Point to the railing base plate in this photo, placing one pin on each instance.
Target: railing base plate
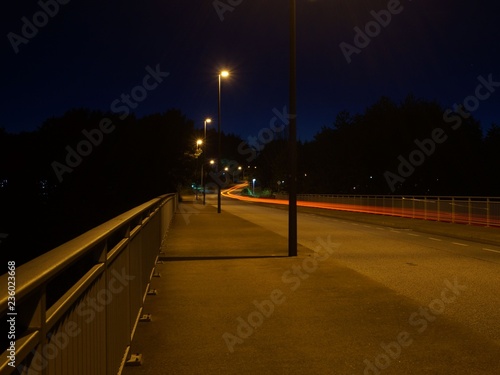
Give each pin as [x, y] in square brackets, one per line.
[145, 318]
[134, 360]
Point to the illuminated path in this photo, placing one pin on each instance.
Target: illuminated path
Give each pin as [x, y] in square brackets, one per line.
[328, 315]
[411, 263]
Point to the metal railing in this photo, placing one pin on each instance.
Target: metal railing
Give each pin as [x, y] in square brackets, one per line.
[483, 211]
[75, 308]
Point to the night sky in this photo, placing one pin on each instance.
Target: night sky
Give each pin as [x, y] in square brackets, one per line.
[91, 52]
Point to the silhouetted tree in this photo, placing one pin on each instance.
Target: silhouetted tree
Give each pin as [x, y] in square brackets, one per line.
[272, 165]
[492, 160]
[365, 153]
[70, 175]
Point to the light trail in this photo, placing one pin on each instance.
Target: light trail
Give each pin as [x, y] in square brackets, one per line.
[387, 211]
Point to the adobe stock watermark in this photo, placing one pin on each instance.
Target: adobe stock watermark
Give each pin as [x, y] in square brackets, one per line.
[420, 321]
[222, 7]
[250, 147]
[266, 135]
[219, 179]
[186, 210]
[263, 310]
[363, 37]
[89, 308]
[122, 106]
[30, 27]
[253, 145]
[426, 147]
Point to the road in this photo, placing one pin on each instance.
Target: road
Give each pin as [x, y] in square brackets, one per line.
[415, 265]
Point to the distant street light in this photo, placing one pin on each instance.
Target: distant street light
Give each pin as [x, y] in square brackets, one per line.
[199, 142]
[222, 74]
[253, 187]
[207, 121]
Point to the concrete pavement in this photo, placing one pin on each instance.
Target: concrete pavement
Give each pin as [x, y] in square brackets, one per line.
[230, 302]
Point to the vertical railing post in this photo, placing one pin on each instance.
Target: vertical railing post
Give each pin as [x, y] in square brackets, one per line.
[39, 321]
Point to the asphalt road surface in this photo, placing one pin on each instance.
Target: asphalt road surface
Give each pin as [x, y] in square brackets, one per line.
[415, 265]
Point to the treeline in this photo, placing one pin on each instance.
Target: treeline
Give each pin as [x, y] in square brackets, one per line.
[85, 167]
[81, 169]
[412, 147]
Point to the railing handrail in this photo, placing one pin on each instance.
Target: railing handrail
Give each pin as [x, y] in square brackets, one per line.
[48, 265]
[128, 243]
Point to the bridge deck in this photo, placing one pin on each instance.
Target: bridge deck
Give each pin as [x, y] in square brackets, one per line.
[230, 302]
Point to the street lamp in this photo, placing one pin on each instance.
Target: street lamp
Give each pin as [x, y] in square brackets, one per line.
[207, 121]
[253, 187]
[199, 142]
[222, 74]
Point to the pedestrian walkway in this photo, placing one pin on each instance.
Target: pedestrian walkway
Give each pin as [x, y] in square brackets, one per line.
[230, 301]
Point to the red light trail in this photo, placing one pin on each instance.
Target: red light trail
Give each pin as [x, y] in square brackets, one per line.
[376, 210]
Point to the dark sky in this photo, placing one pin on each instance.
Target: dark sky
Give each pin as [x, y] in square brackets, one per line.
[91, 52]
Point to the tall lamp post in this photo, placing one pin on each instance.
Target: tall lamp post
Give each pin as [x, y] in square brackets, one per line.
[292, 196]
[199, 142]
[207, 121]
[222, 74]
